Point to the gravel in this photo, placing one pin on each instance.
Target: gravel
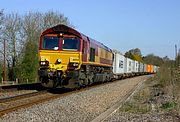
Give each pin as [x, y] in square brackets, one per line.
[151, 117]
[83, 106]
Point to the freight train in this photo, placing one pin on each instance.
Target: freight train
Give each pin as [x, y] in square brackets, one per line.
[70, 59]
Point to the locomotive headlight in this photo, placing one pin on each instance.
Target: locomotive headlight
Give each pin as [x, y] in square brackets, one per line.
[59, 61]
[75, 64]
[44, 63]
[61, 34]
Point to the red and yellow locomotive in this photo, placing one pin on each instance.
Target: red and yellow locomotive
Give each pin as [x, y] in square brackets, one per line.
[70, 59]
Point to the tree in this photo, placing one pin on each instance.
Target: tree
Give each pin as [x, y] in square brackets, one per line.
[28, 65]
[135, 51]
[1, 71]
[11, 29]
[152, 59]
[1, 18]
[134, 54]
[22, 34]
[1, 51]
[52, 18]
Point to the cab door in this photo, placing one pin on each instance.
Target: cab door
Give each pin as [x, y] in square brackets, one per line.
[85, 51]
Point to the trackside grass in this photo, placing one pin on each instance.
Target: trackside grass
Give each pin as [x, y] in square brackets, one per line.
[160, 93]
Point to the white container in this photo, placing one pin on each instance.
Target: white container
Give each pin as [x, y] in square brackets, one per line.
[145, 66]
[133, 65]
[141, 67]
[136, 66]
[119, 63]
[155, 69]
[128, 65]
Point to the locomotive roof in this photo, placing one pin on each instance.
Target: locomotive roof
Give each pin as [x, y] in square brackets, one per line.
[62, 28]
[65, 29]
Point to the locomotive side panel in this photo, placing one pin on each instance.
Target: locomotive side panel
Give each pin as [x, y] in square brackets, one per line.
[97, 61]
[96, 53]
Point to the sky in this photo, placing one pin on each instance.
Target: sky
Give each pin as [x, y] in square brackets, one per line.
[153, 26]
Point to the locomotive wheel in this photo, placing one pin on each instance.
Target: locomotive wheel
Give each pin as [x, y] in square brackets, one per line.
[91, 78]
[83, 80]
[48, 83]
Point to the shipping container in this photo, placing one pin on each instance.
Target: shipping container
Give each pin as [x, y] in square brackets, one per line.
[148, 68]
[128, 65]
[141, 67]
[144, 68]
[151, 68]
[155, 69]
[136, 66]
[119, 63]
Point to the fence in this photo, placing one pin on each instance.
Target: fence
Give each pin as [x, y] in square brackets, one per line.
[16, 81]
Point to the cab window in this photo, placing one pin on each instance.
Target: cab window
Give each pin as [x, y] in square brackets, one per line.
[70, 44]
[50, 43]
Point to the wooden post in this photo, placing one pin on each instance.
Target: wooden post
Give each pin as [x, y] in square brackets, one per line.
[4, 60]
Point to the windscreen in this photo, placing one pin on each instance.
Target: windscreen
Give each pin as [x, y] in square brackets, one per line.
[71, 44]
[50, 43]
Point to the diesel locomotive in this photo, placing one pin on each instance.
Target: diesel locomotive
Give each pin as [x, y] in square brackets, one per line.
[70, 59]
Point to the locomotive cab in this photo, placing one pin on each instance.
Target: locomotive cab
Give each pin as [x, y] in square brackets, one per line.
[59, 55]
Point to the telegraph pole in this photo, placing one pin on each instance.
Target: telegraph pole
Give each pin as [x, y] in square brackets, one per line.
[178, 58]
[175, 55]
[4, 77]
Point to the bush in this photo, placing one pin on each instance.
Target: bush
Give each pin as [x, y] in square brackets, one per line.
[164, 75]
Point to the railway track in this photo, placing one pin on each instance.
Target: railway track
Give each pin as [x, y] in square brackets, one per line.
[10, 104]
[21, 96]
[80, 105]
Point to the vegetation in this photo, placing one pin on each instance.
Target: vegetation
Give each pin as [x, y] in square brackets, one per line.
[177, 60]
[161, 93]
[1, 66]
[1, 71]
[152, 59]
[134, 54]
[22, 33]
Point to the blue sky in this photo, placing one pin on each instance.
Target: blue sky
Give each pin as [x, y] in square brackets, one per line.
[151, 25]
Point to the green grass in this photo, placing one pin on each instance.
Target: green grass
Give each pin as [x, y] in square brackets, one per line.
[169, 105]
[133, 107]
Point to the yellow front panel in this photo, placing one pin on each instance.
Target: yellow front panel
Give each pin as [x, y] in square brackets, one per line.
[64, 56]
